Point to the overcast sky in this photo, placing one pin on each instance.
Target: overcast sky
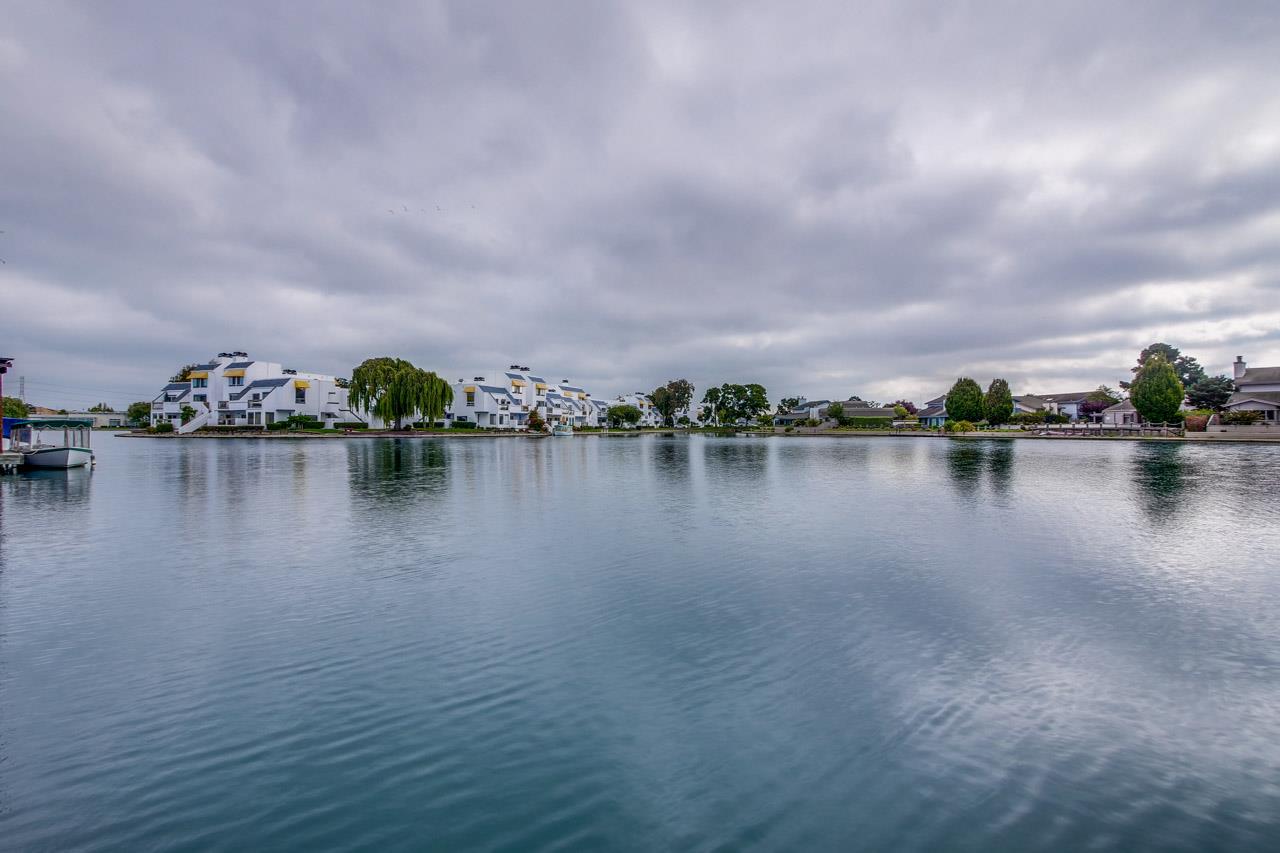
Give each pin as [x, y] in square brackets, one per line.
[828, 198]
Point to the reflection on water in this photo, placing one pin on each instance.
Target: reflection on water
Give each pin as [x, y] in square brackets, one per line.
[1163, 473]
[673, 642]
[968, 460]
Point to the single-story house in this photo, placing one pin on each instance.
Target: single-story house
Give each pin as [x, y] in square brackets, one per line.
[1121, 414]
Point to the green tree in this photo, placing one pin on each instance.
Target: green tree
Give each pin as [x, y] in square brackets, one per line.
[188, 412]
[1187, 369]
[900, 412]
[15, 408]
[138, 413]
[964, 400]
[535, 423]
[1212, 392]
[786, 404]
[101, 408]
[394, 389]
[623, 414]
[711, 400]
[183, 374]
[1156, 391]
[673, 397]
[997, 405]
[743, 402]
[836, 412]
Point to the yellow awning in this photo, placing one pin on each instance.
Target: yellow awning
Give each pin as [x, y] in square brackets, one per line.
[517, 383]
[301, 383]
[239, 371]
[199, 374]
[470, 389]
[541, 386]
[582, 396]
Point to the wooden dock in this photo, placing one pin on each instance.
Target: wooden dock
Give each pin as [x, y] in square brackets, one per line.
[9, 462]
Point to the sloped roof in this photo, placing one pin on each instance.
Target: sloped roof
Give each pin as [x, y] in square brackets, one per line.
[1073, 397]
[932, 412]
[262, 383]
[1122, 406]
[1260, 396]
[238, 365]
[1259, 376]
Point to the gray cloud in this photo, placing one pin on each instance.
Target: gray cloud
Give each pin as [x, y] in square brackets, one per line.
[829, 198]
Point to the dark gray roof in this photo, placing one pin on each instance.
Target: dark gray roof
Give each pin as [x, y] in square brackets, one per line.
[515, 376]
[1074, 397]
[936, 401]
[572, 388]
[497, 392]
[931, 412]
[262, 383]
[1122, 406]
[213, 366]
[1263, 396]
[238, 365]
[537, 379]
[177, 386]
[1260, 376]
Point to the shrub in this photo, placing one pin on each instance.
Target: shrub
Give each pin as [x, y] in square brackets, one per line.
[813, 422]
[1242, 417]
[960, 426]
[465, 424]
[350, 425]
[867, 423]
[277, 425]
[1051, 418]
[1196, 423]
[164, 426]
[788, 429]
[1027, 418]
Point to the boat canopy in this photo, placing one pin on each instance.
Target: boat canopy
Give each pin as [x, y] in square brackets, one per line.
[49, 423]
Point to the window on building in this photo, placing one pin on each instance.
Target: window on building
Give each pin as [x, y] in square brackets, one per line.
[199, 383]
[471, 398]
[200, 398]
[299, 395]
[235, 381]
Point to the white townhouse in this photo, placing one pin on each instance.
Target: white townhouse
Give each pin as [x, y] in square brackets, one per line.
[233, 390]
[504, 399]
[649, 416]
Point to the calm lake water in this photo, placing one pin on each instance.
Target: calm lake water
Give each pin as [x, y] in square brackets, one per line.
[657, 643]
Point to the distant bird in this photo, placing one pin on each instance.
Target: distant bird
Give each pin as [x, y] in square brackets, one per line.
[406, 208]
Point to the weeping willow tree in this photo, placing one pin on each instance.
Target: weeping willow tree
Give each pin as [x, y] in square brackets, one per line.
[393, 390]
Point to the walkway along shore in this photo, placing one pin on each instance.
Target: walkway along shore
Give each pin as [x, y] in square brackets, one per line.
[1202, 438]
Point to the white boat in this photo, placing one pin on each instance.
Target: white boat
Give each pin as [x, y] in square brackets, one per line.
[36, 440]
[562, 429]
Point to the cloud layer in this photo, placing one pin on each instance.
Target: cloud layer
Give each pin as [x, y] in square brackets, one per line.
[828, 198]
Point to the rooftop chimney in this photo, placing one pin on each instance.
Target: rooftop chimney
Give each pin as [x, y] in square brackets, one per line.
[1239, 367]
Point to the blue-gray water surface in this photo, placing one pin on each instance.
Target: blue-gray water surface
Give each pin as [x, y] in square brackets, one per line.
[642, 643]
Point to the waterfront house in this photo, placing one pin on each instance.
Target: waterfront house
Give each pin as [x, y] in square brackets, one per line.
[1026, 404]
[934, 413]
[504, 399]
[233, 390]
[1257, 390]
[1065, 404]
[1121, 414]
